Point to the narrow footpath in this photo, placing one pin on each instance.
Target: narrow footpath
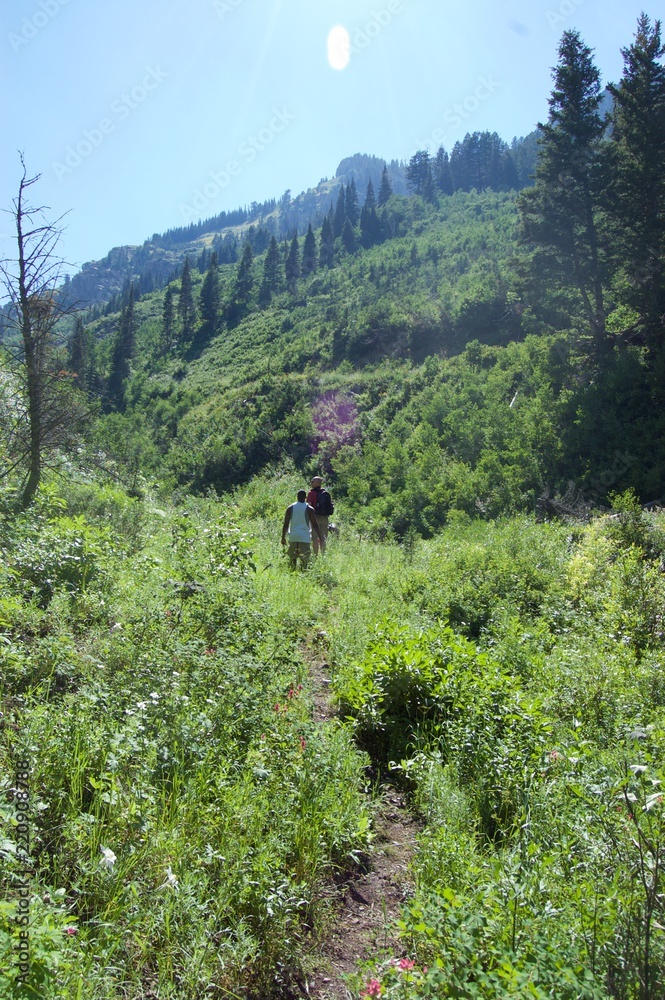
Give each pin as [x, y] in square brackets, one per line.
[369, 901]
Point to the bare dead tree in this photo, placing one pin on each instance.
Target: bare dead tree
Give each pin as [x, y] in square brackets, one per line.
[43, 409]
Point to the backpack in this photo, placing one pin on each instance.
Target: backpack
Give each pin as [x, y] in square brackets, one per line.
[324, 504]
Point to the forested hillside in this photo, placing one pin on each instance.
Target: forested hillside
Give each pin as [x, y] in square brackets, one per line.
[475, 363]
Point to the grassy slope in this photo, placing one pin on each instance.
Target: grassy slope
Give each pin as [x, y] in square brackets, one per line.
[151, 678]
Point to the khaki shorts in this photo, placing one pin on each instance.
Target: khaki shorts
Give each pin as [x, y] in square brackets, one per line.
[302, 549]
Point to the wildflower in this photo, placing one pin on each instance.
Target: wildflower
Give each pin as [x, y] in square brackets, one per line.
[373, 989]
[142, 705]
[171, 878]
[108, 858]
[210, 651]
[555, 755]
[71, 931]
[406, 964]
[303, 743]
[277, 707]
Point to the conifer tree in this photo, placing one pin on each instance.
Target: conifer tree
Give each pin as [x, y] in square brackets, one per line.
[370, 227]
[561, 213]
[419, 175]
[272, 270]
[637, 177]
[168, 319]
[352, 208]
[79, 352]
[186, 306]
[292, 264]
[124, 348]
[443, 178]
[242, 286]
[386, 189]
[348, 237]
[309, 252]
[210, 297]
[340, 213]
[370, 200]
[327, 244]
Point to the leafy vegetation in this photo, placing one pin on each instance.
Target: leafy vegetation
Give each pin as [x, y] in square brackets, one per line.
[462, 365]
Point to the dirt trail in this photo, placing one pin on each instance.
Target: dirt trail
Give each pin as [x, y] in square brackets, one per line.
[369, 901]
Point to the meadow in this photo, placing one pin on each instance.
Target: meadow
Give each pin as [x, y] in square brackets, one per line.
[189, 820]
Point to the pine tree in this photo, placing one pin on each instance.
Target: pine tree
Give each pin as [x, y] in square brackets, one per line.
[272, 272]
[561, 213]
[242, 287]
[370, 200]
[168, 319]
[292, 264]
[186, 306]
[309, 252]
[124, 348]
[352, 208]
[637, 155]
[419, 174]
[386, 189]
[327, 244]
[348, 237]
[370, 227]
[210, 297]
[79, 352]
[340, 213]
[443, 178]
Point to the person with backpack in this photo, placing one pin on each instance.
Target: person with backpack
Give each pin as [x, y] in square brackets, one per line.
[300, 521]
[319, 498]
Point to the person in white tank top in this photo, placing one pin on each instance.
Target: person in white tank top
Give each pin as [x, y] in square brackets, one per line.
[299, 522]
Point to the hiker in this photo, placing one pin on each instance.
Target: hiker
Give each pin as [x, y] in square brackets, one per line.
[320, 500]
[300, 520]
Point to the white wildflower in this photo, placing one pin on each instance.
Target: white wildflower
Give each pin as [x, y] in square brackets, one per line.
[108, 858]
[171, 879]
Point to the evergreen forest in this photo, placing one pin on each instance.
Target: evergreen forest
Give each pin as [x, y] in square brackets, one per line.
[199, 748]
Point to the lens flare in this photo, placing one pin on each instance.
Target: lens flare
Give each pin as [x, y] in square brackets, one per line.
[339, 47]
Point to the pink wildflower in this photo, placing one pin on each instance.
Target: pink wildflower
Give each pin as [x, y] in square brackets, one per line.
[71, 931]
[406, 964]
[303, 743]
[277, 707]
[555, 755]
[373, 989]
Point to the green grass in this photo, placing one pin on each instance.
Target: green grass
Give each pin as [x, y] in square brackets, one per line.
[188, 816]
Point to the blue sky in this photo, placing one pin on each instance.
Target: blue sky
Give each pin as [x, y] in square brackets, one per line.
[141, 115]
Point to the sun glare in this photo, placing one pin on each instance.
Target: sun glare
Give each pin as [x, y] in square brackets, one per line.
[339, 47]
